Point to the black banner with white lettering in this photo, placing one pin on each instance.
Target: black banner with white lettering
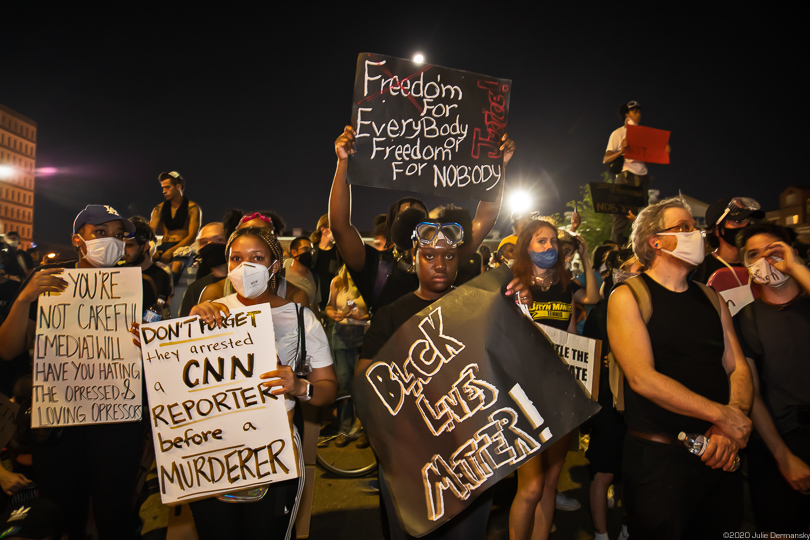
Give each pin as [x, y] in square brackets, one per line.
[616, 198]
[461, 395]
[427, 128]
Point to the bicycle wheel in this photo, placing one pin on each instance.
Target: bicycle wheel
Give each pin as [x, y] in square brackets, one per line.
[348, 461]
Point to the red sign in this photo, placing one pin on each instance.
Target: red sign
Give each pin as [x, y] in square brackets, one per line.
[647, 144]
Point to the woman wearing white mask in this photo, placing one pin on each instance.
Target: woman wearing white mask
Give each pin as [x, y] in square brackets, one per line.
[540, 267]
[254, 260]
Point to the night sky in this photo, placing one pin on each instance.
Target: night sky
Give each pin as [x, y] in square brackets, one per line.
[245, 100]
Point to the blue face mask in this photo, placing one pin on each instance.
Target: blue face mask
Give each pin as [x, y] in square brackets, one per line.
[544, 259]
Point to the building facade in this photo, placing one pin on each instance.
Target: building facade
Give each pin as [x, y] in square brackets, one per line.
[794, 209]
[18, 151]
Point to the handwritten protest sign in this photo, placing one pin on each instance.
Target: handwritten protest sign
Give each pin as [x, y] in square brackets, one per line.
[427, 128]
[580, 353]
[460, 396]
[647, 144]
[86, 368]
[616, 198]
[8, 418]
[216, 427]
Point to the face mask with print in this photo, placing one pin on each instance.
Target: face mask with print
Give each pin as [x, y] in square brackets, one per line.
[691, 247]
[764, 273]
[250, 280]
[104, 252]
[544, 259]
[509, 262]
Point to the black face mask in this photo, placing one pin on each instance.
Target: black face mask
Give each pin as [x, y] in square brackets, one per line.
[730, 235]
[305, 259]
[210, 256]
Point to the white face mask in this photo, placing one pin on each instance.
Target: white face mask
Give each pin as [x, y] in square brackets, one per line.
[691, 247]
[250, 280]
[764, 273]
[104, 252]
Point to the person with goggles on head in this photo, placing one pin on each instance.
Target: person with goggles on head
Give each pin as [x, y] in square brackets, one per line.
[684, 371]
[254, 261]
[724, 219]
[435, 254]
[366, 263]
[774, 332]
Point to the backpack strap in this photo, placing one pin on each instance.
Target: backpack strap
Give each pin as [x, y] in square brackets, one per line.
[714, 298]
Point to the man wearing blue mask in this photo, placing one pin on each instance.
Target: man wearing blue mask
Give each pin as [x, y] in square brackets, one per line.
[80, 464]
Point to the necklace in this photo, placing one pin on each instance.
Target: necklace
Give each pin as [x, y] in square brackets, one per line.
[544, 282]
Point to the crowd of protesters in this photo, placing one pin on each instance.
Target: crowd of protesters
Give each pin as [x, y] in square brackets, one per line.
[674, 356]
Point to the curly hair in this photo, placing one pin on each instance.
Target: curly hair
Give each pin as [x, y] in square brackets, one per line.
[266, 236]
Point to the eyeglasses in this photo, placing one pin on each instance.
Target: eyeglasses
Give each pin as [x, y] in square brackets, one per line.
[427, 233]
[681, 228]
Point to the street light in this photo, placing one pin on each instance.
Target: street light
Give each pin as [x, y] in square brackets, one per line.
[419, 58]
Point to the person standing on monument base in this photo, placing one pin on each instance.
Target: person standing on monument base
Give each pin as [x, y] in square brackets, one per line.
[177, 219]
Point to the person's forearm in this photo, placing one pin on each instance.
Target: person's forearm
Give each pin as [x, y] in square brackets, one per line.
[675, 397]
[14, 331]
[763, 423]
[741, 389]
[611, 156]
[485, 217]
[802, 276]
[324, 392]
[591, 288]
[347, 239]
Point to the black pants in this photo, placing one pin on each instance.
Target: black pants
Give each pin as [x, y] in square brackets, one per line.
[97, 463]
[671, 494]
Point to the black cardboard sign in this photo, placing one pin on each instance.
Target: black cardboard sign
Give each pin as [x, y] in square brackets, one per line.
[616, 198]
[461, 395]
[427, 128]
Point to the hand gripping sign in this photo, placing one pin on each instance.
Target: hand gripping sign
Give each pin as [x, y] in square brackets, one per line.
[216, 427]
[460, 396]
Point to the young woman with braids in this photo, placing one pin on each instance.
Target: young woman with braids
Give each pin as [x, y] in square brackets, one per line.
[256, 251]
[541, 269]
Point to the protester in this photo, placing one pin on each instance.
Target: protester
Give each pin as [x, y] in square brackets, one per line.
[505, 254]
[348, 310]
[725, 218]
[435, 255]
[775, 334]
[364, 262]
[213, 264]
[138, 252]
[298, 273]
[607, 427]
[177, 219]
[684, 371]
[254, 252]
[96, 463]
[628, 171]
[540, 268]
[20, 262]
[325, 259]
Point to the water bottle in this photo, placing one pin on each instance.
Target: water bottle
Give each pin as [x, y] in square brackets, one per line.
[697, 443]
[154, 312]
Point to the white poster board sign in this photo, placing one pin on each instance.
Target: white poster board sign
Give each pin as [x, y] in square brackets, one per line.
[86, 368]
[580, 353]
[216, 427]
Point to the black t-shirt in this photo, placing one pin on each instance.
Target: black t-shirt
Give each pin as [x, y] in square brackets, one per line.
[688, 346]
[388, 320]
[8, 292]
[163, 284]
[778, 338]
[397, 284]
[553, 307]
[325, 266]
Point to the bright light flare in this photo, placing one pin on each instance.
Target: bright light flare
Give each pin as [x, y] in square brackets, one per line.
[419, 58]
[6, 171]
[519, 201]
[46, 171]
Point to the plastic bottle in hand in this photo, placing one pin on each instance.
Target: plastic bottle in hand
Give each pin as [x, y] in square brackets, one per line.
[697, 443]
[154, 312]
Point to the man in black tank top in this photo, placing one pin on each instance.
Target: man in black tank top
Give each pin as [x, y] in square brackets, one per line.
[684, 371]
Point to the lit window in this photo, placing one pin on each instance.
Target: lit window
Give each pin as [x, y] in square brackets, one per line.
[792, 220]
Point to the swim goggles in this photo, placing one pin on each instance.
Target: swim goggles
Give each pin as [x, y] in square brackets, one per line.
[428, 234]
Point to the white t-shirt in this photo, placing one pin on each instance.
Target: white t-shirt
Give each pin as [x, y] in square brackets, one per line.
[285, 326]
[615, 144]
